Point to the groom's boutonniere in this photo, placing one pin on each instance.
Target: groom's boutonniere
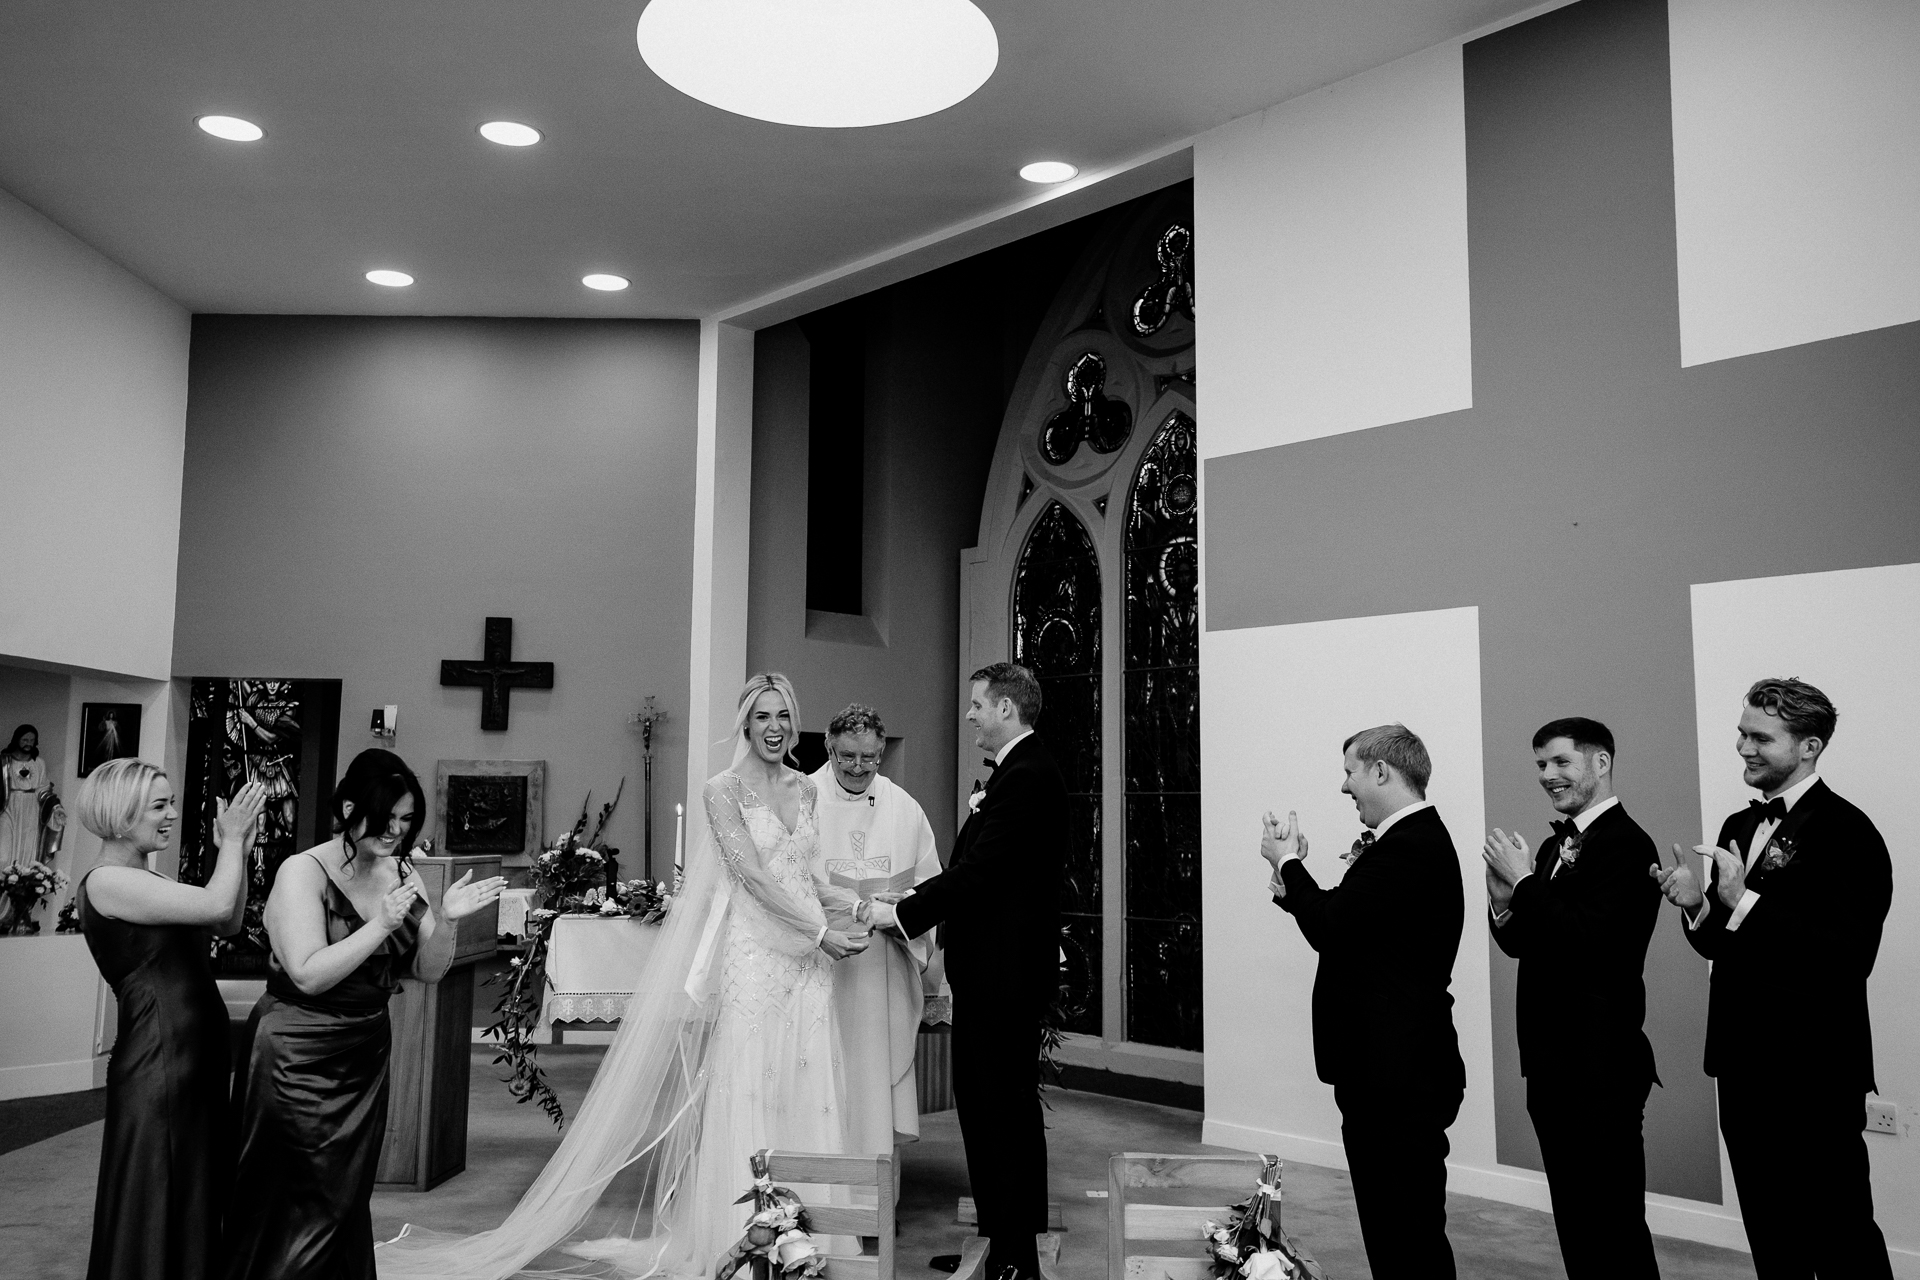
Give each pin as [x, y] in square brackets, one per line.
[978, 794]
[1780, 851]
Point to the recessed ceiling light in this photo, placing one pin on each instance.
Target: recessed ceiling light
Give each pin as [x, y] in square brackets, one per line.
[232, 128]
[1048, 171]
[830, 64]
[509, 133]
[605, 283]
[391, 279]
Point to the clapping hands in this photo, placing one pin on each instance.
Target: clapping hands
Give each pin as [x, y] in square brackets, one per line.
[237, 821]
[1508, 860]
[1682, 886]
[467, 895]
[1280, 841]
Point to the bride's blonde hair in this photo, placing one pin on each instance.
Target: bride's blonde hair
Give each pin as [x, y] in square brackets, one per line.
[749, 693]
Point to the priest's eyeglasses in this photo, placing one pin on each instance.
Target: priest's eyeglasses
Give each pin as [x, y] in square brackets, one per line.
[850, 759]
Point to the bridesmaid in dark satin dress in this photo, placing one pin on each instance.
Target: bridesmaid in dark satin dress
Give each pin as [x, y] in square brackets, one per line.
[347, 920]
[166, 1157]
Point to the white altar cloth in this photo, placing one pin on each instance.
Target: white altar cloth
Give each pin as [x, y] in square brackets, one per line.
[593, 965]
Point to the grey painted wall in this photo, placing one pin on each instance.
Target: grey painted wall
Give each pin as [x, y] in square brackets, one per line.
[943, 351]
[362, 492]
[1592, 482]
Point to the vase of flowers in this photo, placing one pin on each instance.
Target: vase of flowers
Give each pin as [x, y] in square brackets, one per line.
[27, 886]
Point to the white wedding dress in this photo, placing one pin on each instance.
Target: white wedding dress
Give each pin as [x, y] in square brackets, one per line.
[728, 1046]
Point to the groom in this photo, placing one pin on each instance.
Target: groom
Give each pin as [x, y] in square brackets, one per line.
[999, 901]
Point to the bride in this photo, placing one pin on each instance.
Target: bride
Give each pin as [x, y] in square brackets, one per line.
[728, 1046]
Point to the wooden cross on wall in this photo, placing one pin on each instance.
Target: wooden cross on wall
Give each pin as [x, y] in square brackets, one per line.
[497, 674]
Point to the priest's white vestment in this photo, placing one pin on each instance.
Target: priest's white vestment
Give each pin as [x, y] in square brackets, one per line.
[877, 841]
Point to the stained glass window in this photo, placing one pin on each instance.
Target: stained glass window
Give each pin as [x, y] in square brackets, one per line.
[1056, 635]
[1161, 660]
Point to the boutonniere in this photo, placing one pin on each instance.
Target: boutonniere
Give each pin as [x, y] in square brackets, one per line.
[1780, 851]
[1570, 851]
[978, 794]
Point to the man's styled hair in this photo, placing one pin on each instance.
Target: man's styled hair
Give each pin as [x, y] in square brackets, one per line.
[1397, 746]
[111, 798]
[1587, 735]
[1011, 680]
[858, 717]
[1807, 712]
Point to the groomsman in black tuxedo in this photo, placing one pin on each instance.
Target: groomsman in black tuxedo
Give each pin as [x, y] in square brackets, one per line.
[1578, 918]
[1382, 1009]
[1791, 918]
[999, 900]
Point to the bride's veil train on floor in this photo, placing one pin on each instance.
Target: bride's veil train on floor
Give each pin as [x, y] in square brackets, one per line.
[606, 1203]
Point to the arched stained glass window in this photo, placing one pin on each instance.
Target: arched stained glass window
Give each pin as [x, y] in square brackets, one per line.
[1056, 635]
[1161, 660]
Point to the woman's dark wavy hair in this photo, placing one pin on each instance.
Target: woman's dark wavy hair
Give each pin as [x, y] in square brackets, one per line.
[374, 783]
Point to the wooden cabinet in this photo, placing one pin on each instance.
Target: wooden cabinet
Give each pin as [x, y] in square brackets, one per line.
[426, 1139]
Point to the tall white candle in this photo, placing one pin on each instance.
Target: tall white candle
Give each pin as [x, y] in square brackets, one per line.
[679, 841]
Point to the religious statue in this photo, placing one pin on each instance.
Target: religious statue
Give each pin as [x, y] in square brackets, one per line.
[25, 789]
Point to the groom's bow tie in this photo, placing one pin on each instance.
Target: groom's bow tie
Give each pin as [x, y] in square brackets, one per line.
[1567, 829]
[1774, 810]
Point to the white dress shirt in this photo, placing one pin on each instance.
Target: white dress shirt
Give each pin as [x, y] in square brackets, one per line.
[1581, 821]
[1000, 756]
[1756, 847]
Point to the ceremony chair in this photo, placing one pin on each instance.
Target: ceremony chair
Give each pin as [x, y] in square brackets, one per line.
[789, 1167]
[1130, 1218]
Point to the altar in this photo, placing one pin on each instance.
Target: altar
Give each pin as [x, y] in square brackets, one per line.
[594, 965]
[60, 1015]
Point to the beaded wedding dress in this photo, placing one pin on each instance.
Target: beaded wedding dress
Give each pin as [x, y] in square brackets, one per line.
[728, 1046]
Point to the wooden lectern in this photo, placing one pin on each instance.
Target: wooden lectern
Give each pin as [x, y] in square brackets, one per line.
[426, 1139]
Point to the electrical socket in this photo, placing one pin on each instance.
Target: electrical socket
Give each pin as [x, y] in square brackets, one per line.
[1882, 1117]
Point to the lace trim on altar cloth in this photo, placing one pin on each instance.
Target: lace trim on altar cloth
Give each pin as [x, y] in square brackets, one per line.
[594, 1006]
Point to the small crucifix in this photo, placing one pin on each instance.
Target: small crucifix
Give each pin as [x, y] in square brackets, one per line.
[497, 674]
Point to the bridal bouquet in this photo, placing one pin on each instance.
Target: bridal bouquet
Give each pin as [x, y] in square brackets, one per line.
[779, 1243]
[1250, 1243]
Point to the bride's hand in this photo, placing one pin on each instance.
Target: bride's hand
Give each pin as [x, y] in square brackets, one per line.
[839, 946]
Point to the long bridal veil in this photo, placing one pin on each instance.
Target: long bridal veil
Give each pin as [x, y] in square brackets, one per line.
[607, 1202]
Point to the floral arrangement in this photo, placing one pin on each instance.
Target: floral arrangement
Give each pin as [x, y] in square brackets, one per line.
[779, 1240]
[576, 863]
[644, 900]
[518, 1014]
[68, 920]
[1250, 1243]
[26, 886]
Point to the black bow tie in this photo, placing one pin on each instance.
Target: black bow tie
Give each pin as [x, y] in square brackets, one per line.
[1765, 810]
[1567, 829]
[991, 763]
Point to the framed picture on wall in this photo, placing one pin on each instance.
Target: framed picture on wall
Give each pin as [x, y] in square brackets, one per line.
[108, 731]
[490, 806]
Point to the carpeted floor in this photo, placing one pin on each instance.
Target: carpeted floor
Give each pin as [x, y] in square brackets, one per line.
[25, 1121]
[47, 1188]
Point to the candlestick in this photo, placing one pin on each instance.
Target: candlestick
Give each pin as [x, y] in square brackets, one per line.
[679, 842]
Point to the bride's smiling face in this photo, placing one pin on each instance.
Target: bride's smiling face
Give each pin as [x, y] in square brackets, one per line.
[770, 727]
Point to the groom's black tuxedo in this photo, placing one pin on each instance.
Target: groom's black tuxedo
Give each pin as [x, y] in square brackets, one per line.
[999, 900]
[1581, 937]
[1383, 1028]
[1788, 1036]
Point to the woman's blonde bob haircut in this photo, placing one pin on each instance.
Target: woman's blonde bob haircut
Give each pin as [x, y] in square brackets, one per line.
[112, 796]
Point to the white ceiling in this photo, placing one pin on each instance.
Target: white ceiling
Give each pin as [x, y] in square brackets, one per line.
[371, 158]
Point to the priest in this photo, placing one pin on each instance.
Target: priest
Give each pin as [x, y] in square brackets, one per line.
[874, 839]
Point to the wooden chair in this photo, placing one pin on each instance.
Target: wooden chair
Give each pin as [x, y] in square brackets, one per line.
[788, 1167]
[1131, 1217]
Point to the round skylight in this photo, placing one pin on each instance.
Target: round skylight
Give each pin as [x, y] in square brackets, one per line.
[231, 128]
[391, 279]
[510, 133]
[830, 64]
[1048, 171]
[605, 283]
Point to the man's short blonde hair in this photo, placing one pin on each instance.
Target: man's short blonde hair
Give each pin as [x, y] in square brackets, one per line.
[112, 796]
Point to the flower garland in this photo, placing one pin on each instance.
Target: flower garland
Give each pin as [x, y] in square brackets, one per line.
[779, 1240]
[1250, 1244]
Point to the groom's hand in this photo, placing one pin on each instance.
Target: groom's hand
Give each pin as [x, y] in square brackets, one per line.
[880, 912]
